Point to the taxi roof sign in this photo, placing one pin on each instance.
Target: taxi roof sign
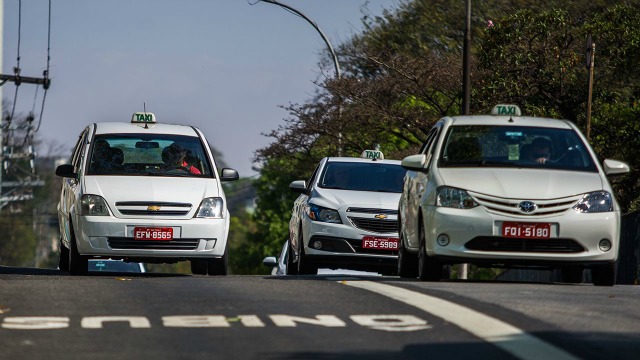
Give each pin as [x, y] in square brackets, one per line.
[372, 154]
[506, 109]
[143, 118]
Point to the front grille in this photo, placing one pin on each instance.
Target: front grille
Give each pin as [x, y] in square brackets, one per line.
[494, 243]
[375, 225]
[373, 211]
[506, 206]
[153, 208]
[121, 243]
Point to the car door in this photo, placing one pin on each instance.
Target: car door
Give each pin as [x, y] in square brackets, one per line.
[413, 191]
[298, 212]
[71, 186]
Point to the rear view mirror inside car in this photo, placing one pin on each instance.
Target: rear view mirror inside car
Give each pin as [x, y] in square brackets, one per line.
[147, 145]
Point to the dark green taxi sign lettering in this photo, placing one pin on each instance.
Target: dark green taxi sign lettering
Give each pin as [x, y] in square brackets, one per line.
[372, 154]
[143, 118]
[506, 110]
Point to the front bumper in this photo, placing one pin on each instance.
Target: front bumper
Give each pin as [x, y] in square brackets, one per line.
[107, 236]
[475, 236]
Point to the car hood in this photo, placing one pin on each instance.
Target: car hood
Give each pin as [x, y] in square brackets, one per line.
[139, 188]
[522, 183]
[338, 199]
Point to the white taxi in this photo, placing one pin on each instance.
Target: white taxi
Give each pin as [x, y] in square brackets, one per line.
[346, 216]
[143, 191]
[506, 190]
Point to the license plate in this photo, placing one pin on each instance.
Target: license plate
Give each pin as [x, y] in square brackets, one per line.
[149, 233]
[379, 243]
[526, 230]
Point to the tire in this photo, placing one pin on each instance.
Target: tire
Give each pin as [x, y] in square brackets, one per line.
[292, 268]
[604, 275]
[63, 260]
[218, 266]
[199, 267]
[78, 264]
[407, 262]
[305, 265]
[572, 274]
[429, 269]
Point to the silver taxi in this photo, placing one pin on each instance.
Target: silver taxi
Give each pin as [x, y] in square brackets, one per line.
[346, 216]
[143, 191]
[506, 190]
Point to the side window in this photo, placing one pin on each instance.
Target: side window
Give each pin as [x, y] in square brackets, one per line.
[76, 155]
[429, 145]
[313, 177]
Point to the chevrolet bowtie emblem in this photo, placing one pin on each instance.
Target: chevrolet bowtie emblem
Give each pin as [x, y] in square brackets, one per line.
[381, 216]
[153, 208]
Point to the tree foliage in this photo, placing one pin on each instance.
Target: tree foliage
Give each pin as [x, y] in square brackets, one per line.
[404, 72]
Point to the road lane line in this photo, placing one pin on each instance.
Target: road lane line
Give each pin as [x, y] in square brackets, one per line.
[505, 336]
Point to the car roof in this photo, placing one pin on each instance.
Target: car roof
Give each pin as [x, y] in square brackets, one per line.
[362, 160]
[129, 128]
[509, 120]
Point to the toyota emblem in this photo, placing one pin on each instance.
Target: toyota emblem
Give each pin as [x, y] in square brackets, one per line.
[527, 206]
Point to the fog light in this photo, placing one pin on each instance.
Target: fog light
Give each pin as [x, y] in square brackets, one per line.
[604, 245]
[317, 244]
[443, 240]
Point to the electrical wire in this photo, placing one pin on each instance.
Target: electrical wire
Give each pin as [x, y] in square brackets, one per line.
[46, 72]
[16, 70]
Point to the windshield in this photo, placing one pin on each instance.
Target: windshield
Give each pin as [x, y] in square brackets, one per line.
[148, 154]
[363, 176]
[515, 146]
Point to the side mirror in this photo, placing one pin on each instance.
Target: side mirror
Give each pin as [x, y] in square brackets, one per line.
[414, 162]
[66, 170]
[229, 175]
[270, 261]
[615, 167]
[299, 186]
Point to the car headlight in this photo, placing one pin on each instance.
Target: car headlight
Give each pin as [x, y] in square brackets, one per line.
[211, 208]
[454, 198]
[319, 213]
[93, 205]
[595, 202]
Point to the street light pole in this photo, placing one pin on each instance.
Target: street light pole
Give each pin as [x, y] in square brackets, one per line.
[466, 66]
[331, 52]
[315, 26]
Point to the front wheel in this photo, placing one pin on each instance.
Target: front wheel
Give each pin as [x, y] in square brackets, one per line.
[218, 266]
[604, 275]
[63, 260]
[292, 268]
[429, 269]
[199, 267]
[407, 262]
[78, 264]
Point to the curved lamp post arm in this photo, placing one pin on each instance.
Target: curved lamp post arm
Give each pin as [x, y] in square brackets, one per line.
[315, 26]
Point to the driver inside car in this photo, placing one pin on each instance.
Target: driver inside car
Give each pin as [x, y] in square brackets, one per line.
[174, 157]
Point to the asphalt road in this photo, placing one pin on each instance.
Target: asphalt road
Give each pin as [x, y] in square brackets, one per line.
[46, 314]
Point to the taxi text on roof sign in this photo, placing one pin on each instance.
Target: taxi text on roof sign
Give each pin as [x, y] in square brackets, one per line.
[143, 117]
[503, 109]
[372, 154]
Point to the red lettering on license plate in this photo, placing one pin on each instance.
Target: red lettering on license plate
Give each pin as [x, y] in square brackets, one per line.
[526, 230]
[147, 233]
[379, 243]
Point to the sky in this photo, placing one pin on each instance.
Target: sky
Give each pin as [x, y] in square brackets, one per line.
[224, 66]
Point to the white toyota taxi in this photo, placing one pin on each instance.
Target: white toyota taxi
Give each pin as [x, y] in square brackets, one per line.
[506, 190]
[144, 192]
[346, 216]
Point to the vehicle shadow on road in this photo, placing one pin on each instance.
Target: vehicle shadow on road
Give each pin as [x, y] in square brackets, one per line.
[10, 270]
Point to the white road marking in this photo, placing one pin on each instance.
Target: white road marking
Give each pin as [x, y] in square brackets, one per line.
[36, 322]
[290, 321]
[391, 322]
[505, 336]
[95, 322]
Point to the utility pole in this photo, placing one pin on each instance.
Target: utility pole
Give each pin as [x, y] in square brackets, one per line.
[466, 63]
[18, 189]
[591, 53]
